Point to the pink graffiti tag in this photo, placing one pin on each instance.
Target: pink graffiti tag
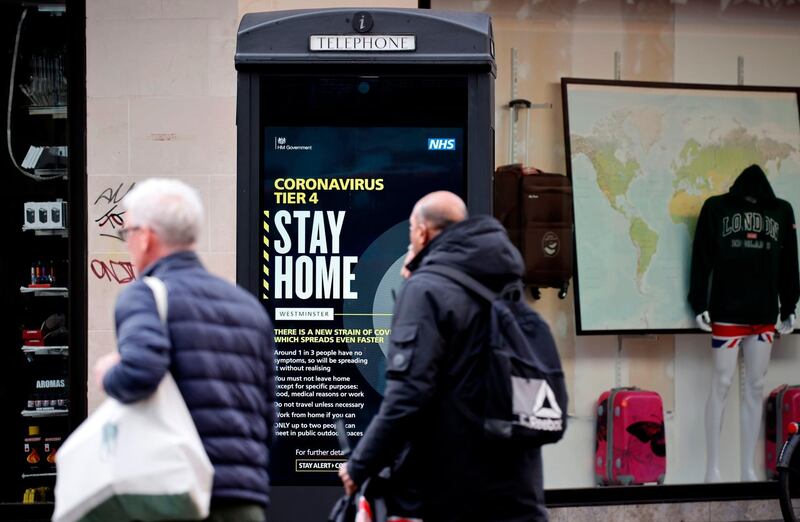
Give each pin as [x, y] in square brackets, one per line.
[120, 272]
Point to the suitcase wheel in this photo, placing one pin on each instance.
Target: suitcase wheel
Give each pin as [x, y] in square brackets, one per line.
[660, 479]
[625, 480]
[536, 294]
[562, 293]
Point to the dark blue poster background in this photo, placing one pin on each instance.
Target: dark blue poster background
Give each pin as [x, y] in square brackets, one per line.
[335, 203]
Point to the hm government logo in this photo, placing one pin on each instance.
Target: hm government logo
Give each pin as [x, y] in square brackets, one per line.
[281, 144]
[550, 244]
[535, 404]
[441, 144]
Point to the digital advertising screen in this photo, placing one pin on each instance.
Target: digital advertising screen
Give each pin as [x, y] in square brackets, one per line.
[339, 181]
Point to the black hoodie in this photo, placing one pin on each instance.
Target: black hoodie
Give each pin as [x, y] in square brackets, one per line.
[436, 353]
[747, 241]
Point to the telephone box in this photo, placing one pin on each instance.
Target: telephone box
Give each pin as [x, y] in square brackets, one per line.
[346, 117]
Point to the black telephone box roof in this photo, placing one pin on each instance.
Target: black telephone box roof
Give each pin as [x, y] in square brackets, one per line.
[284, 37]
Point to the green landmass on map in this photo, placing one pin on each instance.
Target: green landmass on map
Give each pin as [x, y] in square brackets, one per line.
[646, 241]
[706, 170]
[614, 177]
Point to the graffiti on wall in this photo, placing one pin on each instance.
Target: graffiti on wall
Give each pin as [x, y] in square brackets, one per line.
[109, 219]
[109, 202]
[120, 272]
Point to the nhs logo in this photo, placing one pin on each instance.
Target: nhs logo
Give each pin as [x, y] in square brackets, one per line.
[441, 144]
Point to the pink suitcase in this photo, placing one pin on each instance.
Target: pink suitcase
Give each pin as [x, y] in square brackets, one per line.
[630, 446]
[783, 407]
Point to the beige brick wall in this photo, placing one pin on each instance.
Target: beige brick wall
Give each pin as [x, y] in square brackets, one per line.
[161, 101]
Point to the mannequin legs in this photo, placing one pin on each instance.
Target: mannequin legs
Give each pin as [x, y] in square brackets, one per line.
[756, 360]
[724, 360]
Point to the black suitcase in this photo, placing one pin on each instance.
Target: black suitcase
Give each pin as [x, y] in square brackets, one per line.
[536, 209]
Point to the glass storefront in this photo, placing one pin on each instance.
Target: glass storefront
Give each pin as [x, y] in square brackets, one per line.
[42, 365]
[643, 158]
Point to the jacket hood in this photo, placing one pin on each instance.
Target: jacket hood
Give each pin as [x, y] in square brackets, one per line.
[752, 184]
[478, 246]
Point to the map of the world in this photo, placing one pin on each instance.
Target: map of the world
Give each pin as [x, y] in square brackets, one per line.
[643, 161]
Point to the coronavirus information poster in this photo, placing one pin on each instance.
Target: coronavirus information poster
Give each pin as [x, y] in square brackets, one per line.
[335, 204]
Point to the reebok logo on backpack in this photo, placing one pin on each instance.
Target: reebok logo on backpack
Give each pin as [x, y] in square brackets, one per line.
[535, 405]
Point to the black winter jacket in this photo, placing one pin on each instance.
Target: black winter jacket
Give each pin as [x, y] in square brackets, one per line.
[437, 353]
[747, 241]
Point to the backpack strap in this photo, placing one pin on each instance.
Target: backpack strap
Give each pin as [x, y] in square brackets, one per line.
[482, 291]
[462, 278]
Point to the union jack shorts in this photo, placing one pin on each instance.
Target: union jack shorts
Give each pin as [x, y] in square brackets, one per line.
[730, 335]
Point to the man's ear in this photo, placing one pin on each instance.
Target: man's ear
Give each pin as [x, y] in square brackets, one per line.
[147, 241]
[425, 233]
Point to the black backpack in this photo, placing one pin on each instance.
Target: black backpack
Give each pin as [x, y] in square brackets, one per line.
[526, 395]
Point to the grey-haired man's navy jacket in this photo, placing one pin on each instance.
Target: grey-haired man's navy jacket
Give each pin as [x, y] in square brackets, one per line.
[218, 345]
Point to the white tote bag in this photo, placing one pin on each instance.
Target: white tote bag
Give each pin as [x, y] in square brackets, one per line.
[142, 461]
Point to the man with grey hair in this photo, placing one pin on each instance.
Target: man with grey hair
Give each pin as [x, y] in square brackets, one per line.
[217, 344]
[443, 467]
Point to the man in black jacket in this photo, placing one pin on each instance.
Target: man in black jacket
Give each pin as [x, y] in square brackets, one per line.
[442, 466]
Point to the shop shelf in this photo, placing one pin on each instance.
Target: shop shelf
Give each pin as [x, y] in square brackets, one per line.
[46, 350]
[55, 291]
[37, 475]
[58, 112]
[63, 232]
[44, 413]
[51, 173]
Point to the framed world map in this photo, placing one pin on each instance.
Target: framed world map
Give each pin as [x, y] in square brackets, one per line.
[643, 157]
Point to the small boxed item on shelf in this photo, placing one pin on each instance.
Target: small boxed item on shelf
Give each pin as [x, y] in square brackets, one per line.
[45, 215]
[46, 158]
[52, 332]
[43, 405]
[33, 451]
[37, 495]
[43, 274]
[47, 278]
[32, 338]
[51, 445]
